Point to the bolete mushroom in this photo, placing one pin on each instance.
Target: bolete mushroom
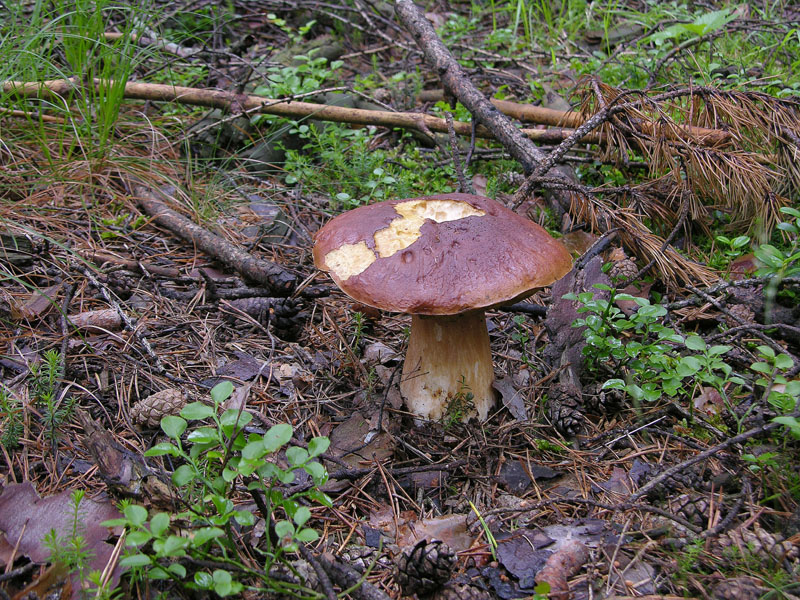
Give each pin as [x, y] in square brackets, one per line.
[443, 259]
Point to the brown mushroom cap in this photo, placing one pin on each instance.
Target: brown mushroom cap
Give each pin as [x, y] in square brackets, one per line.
[438, 255]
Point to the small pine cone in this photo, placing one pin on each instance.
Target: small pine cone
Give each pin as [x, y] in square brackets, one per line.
[461, 591]
[148, 412]
[286, 318]
[597, 400]
[738, 588]
[693, 508]
[759, 543]
[565, 408]
[687, 479]
[742, 312]
[623, 270]
[361, 557]
[424, 568]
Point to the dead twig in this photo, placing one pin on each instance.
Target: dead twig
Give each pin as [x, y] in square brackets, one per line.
[279, 281]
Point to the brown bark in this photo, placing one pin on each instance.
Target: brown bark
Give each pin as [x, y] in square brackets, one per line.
[279, 281]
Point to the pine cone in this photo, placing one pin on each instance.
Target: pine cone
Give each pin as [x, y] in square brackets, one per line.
[424, 568]
[687, 479]
[565, 408]
[287, 319]
[759, 543]
[361, 557]
[148, 412]
[738, 588]
[742, 312]
[623, 270]
[692, 507]
[597, 400]
[461, 591]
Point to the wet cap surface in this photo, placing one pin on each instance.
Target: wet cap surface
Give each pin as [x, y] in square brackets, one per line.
[438, 255]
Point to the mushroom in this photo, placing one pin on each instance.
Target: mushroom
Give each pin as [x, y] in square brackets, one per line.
[443, 259]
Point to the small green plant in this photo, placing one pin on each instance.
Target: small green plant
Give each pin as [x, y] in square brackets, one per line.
[11, 423]
[45, 377]
[71, 549]
[490, 539]
[358, 331]
[652, 356]
[729, 250]
[780, 263]
[521, 336]
[460, 405]
[215, 460]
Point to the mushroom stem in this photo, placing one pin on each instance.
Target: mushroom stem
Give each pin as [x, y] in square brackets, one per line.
[448, 358]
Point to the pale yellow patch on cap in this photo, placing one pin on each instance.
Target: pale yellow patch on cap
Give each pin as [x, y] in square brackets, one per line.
[349, 260]
[404, 231]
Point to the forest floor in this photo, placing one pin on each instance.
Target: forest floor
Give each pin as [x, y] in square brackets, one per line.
[172, 360]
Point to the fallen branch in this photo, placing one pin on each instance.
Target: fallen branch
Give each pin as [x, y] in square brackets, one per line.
[287, 107]
[456, 82]
[542, 115]
[279, 281]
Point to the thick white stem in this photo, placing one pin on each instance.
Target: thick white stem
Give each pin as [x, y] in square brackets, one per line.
[448, 357]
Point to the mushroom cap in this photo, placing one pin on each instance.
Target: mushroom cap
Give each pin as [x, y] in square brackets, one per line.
[438, 255]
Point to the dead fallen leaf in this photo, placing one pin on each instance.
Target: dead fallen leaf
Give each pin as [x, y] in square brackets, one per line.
[513, 399]
[38, 303]
[27, 519]
[562, 565]
[709, 401]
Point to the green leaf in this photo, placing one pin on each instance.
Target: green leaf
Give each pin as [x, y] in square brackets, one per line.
[244, 518]
[178, 569]
[317, 472]
[306, 535]
[138, 538]
[317, 446]
[695, 342]
[320, 497]
[173, 426]
[296, 455]
[203, 580]
[163, 448]
[197, 411]
[158, 573]
[761, 367]
[254, 450]
[718, 350]
[766, 351]
[221, 392]
[234, 418]
[614, 384]
[229, 474]
[783, 362]
[204, 534]
[203, 435]
[284, 529]
[159, 523]
[136, 514]
[277, 436]
[135, 560]
[183, 475]
[301, 515]
[174, 545]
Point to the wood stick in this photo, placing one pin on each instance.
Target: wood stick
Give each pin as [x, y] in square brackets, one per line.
[264, 272]
[572, 119]
[241, 103]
